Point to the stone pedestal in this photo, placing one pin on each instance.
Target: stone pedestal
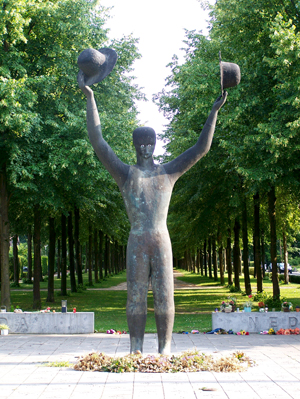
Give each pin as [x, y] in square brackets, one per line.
[254, 322]
[48, 323]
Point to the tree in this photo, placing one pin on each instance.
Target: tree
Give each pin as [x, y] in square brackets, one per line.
[46, 160]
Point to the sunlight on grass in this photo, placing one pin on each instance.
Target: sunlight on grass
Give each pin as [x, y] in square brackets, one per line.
[192, 307]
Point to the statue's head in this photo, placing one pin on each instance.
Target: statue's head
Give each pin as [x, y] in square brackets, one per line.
[144, 139]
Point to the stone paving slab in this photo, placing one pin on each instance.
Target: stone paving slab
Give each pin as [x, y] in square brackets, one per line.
[23, 373]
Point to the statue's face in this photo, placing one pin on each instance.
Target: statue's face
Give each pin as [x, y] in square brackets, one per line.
[144, 141]
[145, 149]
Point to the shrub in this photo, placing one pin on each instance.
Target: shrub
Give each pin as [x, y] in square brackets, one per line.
[251, 271]
[294, 279]
[44, 261]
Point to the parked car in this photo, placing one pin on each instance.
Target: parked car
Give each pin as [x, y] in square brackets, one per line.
[280, 268]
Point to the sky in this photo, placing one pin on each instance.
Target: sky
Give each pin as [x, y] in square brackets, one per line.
[159, 25]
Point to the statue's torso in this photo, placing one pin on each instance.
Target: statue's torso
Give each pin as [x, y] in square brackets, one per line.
[147, 195]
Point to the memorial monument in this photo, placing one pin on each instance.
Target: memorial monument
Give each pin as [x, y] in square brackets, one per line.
[146, 188]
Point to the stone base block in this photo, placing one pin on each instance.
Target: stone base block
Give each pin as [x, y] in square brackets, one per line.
[49, 323]
[255, 322]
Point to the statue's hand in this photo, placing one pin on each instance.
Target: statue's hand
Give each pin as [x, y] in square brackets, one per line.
[86, 89]
[220, 101]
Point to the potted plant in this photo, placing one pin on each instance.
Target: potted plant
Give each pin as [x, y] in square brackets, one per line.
[261, 306]
[248, 304]
[297, 308]
[287, 306]
[4, 329]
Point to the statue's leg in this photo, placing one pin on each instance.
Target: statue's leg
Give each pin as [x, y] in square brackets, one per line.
[138, 270]
[163, 292]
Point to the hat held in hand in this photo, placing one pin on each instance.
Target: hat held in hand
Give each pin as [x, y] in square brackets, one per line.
[230, 74]
[96, 64]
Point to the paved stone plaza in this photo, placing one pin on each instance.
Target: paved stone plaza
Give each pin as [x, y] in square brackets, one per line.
[22, 374]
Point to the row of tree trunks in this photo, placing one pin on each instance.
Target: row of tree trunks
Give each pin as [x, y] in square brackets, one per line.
[37, 258]
[285, 257]
[236, 254]
[245, 249]
[63, 281]
[51, 260]
[228, 258]
[4, 239]
[71, 253]
[16, 261]
[29, 254]
[77, 246]
[256, 244]
[272, 218]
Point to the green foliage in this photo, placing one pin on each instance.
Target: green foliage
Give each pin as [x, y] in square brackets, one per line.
[44, 144]
[294, 279]
[269, 300]
[44, 260]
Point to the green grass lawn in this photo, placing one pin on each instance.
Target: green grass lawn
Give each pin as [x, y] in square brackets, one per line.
[193, 307]
[107, 282]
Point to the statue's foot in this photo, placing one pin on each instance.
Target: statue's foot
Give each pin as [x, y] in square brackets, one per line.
[164, 347]
[136, 345]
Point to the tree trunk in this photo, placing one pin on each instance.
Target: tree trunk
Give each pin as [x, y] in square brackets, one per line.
[272, 218]
[221, 262]
[109, 255]
[63, 281]
[51, 260]
[198, 260]
[58, 258]
[228, 258]
[29, 254]
[201, 261]
[205, 258]
[245, 250]
[106, 256]
[86, 257]
[78, 246]
[236, 254]
[215, 264]
[263, 254]
[37, 258]
[90, 252]
[209, 259]
[113, 256]
[285, 255]
[96, 252]
[16, 261]
[101, 255]
[71, 253]
[256, 242]
[4, 240]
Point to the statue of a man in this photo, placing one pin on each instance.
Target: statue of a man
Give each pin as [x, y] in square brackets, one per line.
[146, 189]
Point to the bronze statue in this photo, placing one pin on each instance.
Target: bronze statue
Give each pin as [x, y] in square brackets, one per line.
[146, 189]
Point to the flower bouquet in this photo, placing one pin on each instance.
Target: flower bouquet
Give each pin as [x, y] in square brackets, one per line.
[287, 306]
[261, 306]
[225, 307]
[248, 304]
[229, 305]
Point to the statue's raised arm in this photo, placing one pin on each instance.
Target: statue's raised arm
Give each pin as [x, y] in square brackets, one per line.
[187, 159]
[106, 155]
